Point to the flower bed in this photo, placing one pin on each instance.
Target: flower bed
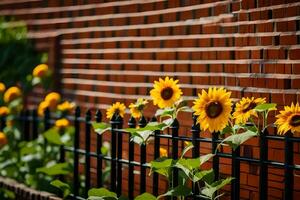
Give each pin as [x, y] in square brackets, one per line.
[23, 192]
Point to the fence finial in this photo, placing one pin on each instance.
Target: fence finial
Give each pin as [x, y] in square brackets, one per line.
[77, 111]
[98, 116]
[142, 122]
[132, 122]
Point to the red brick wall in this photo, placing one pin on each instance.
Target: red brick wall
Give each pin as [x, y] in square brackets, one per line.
[113, 51]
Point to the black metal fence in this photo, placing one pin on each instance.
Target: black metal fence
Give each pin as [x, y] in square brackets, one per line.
[30, 122]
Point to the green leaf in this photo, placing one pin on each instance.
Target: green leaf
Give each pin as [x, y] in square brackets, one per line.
[101, 127]
[52, 135]
[100, 198]
[205, 158]
[70, 130]
[28, 150]
[165, 112]
[265, 107]
[64, 187]
[145, 196]
[162, 163]
[152, 126]
[123, 198]
[168, 122]
[236, 140]
[162, 166]
[141, 137]
[209, 190]
[227, 129]
[186, 149]
[182, 177]
[101, 192]
[190, 163]
[205, 175]
[57, 169]
[180, 190]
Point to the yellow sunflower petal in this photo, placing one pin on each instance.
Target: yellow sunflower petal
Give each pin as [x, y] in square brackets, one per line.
[288, 119]
[118, 108]
[213, 109]
[165, 92]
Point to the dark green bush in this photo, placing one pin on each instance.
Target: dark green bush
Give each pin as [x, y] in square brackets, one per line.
[17, 54]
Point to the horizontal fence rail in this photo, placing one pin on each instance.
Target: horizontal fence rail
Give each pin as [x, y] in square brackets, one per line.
[82, 124]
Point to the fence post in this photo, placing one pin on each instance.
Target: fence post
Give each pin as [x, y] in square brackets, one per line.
[76, 153]
[98, 118]
[131, 124]
[156, 155]
[174, 130]
[46, 126]
[88, 117]
[2, 122]
[235, 171]
[215, 137]
[47, 119]
[120, 150]
[195, 151]
[263, 175]
[34, 124]
[288, 171]
[113, 153]
[26, 125]
[143, 159]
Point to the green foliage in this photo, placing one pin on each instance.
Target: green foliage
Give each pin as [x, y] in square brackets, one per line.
[210, 189]
[56, 169]
[265, 107]
[145, 196]
[64, 187]
[179, 191]
[6, 194]
[237, 139]
[100, 127]
[17, 55]
[101, 193]
[142, 135]
[52, 135]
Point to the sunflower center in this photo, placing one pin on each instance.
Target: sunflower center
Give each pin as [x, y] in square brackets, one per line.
[249, 107]
[214, 109]
[295, 121]
[167, 93]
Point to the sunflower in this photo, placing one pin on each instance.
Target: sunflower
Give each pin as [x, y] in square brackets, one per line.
[289, 119]
[244, 109]
[66, 106]
[53, 99]
[163, 152]
[4, 111]
[40, 70]
[11, 94]
[3, 139]
[2, 87]
[62, 123]
[116, 108]
[136, 109]
[42, 107]
[165, 92]
[213, 109]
